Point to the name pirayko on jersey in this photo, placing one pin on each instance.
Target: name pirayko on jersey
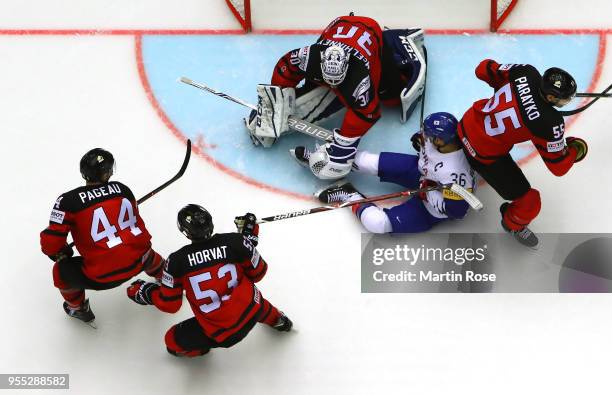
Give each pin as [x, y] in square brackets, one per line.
[526, 97]
[207, 255]
[106, 190]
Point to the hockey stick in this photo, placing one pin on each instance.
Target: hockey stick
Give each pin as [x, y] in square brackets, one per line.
[170, 181]
[593, 94]
[165, 184]
[296, 124]
[581, 109]
[459, 190]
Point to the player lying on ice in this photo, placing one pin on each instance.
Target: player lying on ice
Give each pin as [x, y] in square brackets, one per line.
[218, 273]
[353, 65]
[440, 161]
[108, 232]
[522, 108]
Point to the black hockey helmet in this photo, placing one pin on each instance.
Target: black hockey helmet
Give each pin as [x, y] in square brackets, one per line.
[97, 165]
[559, 83]
[195, 222]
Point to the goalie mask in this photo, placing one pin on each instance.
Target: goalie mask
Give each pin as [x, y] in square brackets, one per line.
[334, 64]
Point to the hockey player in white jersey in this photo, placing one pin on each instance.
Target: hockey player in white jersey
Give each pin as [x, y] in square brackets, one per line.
[440, 161]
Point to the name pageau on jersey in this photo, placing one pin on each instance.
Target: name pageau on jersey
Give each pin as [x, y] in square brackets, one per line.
[444, 168]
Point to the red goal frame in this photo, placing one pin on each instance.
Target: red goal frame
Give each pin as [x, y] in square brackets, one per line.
[495, 21]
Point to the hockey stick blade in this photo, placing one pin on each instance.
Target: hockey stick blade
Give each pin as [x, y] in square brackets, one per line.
[467, 196]
[299, 125]
[165, 184]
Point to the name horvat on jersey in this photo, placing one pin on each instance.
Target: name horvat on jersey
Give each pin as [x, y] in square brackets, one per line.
[207, 255]
[348, 49]
[527, 98]
[105, 190]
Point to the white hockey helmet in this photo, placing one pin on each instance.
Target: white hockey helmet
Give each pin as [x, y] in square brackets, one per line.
[334, 65]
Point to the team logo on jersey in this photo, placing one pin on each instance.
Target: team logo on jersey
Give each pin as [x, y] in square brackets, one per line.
[255, 259]
[362, 92]
[256, 295]
[303, 55]
[167, 280]
[57, 216]
[555, 146]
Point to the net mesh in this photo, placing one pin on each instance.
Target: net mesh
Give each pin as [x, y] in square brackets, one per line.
[502, 6]
[241, 10]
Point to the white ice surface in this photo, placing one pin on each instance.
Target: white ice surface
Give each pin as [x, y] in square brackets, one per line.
[347, 342]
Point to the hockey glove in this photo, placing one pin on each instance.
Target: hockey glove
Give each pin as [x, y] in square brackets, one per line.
[247, 225]
[425, 183]
[140, 292]
[417, 141]
[64, 253]
[579, 145]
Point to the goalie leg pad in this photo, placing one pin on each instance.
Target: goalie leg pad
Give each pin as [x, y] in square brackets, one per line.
[274, 106]
[409, 55]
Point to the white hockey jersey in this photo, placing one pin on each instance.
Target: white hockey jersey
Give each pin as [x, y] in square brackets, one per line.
[447, 168]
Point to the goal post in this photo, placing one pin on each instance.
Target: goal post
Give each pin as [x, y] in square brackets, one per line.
[500, 9]
[242, 11]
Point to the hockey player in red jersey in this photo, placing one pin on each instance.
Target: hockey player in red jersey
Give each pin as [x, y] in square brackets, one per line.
[521, 109]
[217, 273]
[354, 65]
[107, 230]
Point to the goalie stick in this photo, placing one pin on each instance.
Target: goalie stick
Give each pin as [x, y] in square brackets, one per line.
[459, 190]
[296, 124]
[165, 184]
[581, 109]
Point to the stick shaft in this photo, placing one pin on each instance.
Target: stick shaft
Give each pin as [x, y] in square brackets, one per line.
[295, 124]
[589, 104]
[593, 94]
[187, 81]
[321, 209]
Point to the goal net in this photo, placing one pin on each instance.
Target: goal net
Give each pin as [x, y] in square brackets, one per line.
[242, 11]
[500, 9]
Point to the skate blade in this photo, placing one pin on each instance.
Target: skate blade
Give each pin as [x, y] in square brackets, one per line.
[92, 324]
[334, 184]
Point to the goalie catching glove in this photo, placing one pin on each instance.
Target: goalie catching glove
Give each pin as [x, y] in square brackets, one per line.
[334, 160]
[270, 121]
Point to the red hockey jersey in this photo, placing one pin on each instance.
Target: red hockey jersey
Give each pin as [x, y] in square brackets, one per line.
[106, 228]
[361, 38]
[516, 113]
[217, 276]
